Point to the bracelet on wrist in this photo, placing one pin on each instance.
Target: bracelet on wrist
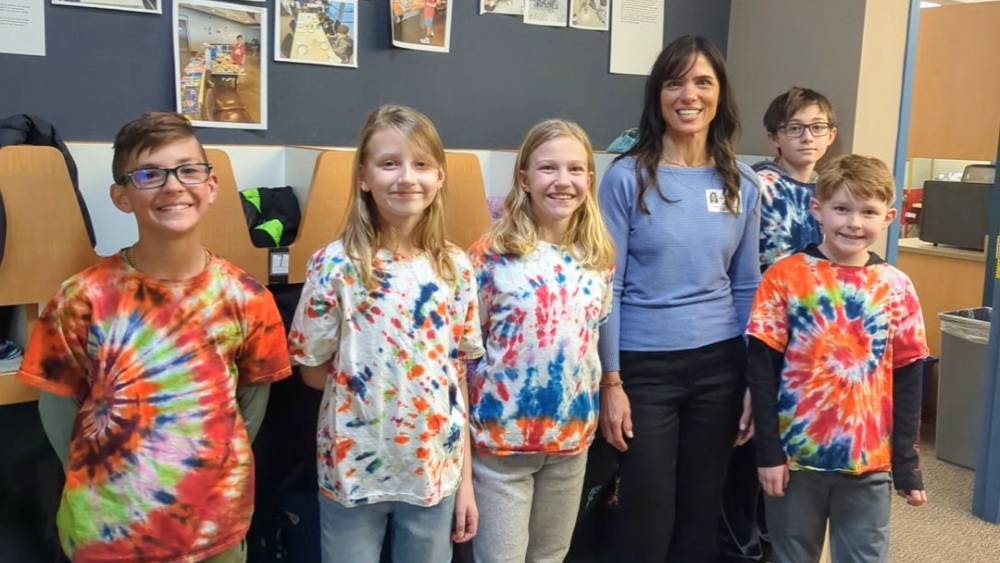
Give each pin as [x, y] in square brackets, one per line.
[616, 383]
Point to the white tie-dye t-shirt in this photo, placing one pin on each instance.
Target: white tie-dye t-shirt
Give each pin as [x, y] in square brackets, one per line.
[392, 416]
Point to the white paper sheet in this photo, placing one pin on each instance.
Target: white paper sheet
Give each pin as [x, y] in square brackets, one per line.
[22, 27]
[552, 13]
[636, 35]
[422, 25]
[505, 7]
[147, 6]
[589, 14]
[321, 33]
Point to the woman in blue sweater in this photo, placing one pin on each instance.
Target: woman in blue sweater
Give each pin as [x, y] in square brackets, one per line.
[684, 216]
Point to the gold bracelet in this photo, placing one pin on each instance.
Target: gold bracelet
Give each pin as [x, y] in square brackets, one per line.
[611, 384]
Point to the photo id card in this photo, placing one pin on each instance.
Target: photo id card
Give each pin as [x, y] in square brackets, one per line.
[715, 199]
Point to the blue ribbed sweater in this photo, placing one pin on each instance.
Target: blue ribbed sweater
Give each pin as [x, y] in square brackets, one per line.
[685, 276]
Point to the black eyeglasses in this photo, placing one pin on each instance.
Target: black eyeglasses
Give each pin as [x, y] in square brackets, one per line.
[796, 130]
[151, 178]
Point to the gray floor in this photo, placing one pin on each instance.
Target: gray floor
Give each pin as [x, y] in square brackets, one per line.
[944, 530]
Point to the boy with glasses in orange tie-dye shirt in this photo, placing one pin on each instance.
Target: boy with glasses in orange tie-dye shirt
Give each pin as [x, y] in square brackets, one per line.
[153, 345]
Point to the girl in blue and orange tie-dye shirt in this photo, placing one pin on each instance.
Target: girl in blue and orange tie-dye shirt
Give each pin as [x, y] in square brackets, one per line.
[386, 321]
[544, 276]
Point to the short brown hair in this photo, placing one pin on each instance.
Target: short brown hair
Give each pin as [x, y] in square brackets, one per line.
[149, 131]
[863, 177]
[786, 105]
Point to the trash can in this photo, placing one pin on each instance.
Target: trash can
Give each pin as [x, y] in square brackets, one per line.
[964, 337]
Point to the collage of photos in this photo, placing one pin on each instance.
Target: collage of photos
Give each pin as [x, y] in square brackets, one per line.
[424, 25]
[321, 32]
[220, 63]
[593, 15]
[545, 12]
[590, 14]
[147, 6]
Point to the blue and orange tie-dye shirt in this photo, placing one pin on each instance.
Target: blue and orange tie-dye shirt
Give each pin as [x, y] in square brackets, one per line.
[537, 389]
[392, 418]
[159, 467]
[843, 330]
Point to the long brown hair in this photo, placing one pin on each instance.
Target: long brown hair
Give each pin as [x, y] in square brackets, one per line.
[362, 232]
[674, 61]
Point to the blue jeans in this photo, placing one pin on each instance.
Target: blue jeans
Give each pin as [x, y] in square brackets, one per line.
[420, 534]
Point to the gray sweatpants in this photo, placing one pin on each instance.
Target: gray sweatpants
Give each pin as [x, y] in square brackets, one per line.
[856, 506]
[527, 506]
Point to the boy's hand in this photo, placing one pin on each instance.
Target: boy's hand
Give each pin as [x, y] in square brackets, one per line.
[466, 513]
[774, 480]
[914, 498]
[745, 431]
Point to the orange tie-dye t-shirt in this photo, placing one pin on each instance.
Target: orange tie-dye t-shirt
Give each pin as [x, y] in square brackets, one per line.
[843, 330]
[160, 466]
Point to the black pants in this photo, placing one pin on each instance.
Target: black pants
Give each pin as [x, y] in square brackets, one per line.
[685, 408]
[740, 537]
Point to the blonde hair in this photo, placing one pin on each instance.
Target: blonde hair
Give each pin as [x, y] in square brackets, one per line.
[863, 177]
[586, 238]
[362, 232]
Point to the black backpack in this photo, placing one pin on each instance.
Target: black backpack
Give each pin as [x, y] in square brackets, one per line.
[272, 214]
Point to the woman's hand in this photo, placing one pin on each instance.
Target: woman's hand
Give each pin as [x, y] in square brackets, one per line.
[616, 414]
[773, 480]
[745, 431]
[466, 513]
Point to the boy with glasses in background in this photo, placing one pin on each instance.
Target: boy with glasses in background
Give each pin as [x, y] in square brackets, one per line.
[151, 350]
[801, 125]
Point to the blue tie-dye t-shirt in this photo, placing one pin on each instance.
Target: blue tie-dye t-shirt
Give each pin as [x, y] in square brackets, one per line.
[786, 224]
[392, 417]
[536, 391]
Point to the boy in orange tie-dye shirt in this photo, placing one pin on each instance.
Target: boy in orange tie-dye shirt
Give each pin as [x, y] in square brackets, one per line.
[152, 344]
[836, 354]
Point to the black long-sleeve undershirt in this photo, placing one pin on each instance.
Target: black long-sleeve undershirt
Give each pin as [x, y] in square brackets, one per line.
[763, 374]
[907, 390]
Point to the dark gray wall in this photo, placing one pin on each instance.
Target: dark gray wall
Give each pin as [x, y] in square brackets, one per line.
[777, 44]
[105, 67]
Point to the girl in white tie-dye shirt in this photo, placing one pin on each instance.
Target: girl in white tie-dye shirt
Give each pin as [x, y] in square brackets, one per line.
[386, 321]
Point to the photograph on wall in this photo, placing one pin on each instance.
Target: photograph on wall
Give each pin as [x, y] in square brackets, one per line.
[589, 14]
[545, 12]
[220, 63]
[505, 7]
[148, 6]
[321, 32]
[424, 25]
